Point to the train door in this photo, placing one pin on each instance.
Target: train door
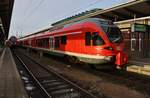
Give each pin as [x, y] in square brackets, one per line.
[135, 44]
[51, 41]
[138, 45]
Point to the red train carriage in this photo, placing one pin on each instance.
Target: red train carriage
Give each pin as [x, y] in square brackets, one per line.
[92, 40]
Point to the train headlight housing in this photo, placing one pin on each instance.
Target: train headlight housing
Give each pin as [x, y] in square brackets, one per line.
[118, 48]
[108, 48]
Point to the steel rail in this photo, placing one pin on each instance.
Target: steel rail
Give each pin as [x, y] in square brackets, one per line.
[42, 88]
[73, 85]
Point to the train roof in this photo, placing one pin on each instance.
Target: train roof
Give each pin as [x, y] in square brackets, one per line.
[68, 27]
[95, 20]
[78, 25]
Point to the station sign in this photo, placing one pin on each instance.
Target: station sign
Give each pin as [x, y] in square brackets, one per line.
[139, 28]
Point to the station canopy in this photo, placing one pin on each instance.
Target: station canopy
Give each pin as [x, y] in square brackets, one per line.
[130, 10]
[6, 7]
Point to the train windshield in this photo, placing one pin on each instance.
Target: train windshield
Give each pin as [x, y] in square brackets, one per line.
[113, 33]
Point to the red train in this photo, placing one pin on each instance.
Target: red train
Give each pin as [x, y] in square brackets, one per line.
[92, 40]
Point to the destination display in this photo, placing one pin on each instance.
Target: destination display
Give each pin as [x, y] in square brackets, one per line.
[139, 27]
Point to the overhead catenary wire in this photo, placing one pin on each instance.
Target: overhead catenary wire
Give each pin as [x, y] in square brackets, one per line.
[27, 11]
[31, 13]
[27, 8]
[26, 18]
[89, 5]
[38, 4]
[79, 9]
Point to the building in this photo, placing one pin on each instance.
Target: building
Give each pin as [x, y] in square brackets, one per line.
[137, 36]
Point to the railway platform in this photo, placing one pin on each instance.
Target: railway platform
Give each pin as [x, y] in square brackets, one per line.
[1, 49]
[11, 85]
[141, 66]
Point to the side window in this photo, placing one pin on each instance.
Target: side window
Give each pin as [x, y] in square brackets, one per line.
[88, 38]
[52, 40]
[57, 42]
[97, 40]
[40, 42]
[63, 40]
[45, 42]
[37, 42]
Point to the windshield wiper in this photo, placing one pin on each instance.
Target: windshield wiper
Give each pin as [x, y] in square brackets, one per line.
[116, 39]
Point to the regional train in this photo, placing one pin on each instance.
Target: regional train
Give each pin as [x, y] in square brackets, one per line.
[11, 42]
[93, 41]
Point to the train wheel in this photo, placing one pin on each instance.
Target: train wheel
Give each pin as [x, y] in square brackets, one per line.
[103, 66]
[72, 59]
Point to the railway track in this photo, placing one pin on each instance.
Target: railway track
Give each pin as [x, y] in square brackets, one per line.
[122, 77]
[49, 83]
[131, 80]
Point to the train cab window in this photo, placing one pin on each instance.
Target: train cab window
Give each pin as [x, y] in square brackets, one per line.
[113, 32]
[63, 40]
[97, 40]
[88, 38]
[57, 44]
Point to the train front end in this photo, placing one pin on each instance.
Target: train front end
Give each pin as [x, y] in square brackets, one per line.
[115, 45]
[109, 43]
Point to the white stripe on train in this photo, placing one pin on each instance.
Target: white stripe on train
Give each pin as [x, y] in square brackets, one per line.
[74, 54]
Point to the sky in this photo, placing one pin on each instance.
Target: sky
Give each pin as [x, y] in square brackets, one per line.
[30, 16]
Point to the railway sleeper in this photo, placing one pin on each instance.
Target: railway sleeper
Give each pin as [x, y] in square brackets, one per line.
[46, 78]
[47, 81]
[67, 91]
[69, 95]
[58, 87]
[53, 84]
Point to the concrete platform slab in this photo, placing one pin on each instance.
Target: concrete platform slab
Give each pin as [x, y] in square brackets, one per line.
[11, 85]
[141, 66]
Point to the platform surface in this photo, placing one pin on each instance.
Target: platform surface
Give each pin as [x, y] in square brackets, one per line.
[11, 85]
[141, 66]
[1, 51]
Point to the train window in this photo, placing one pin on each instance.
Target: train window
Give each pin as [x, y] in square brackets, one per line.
[39, 43]
[43, 42]
[46, 42]
[88, 38]
[97, 40]
[63, 40]
[105, 28]
[113, 33]
[51, 42]
[57, 42]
